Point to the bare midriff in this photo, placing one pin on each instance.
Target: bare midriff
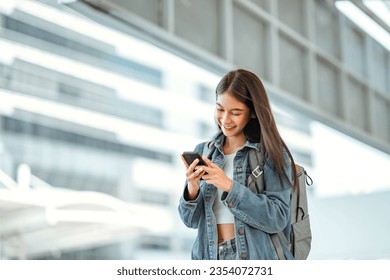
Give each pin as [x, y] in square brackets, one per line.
[225, 232]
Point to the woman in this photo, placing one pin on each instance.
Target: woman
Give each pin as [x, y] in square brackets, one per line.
[232, 221]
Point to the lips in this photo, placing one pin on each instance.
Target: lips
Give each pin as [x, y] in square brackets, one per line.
[228, 127]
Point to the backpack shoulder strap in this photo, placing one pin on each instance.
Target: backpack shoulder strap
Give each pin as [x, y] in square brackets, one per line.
[256, 177]
[256, 184]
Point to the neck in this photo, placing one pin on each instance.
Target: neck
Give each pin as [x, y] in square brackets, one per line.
[233, 143]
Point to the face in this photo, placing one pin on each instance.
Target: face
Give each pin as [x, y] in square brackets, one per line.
[231, 115]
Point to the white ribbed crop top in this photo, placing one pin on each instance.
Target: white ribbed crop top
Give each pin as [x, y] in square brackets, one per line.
[221, 212]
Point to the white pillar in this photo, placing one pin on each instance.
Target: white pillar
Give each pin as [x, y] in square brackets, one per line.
[24, 176]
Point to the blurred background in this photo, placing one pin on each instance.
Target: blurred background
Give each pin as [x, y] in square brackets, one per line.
[98, 98]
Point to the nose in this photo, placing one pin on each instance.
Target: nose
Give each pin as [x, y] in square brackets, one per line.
[226, 118]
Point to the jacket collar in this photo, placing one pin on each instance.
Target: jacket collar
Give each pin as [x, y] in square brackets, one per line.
[219, 139]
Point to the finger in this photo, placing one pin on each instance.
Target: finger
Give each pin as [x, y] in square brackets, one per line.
[191, 169]
[197, 173]
[209, 162]
[193, 164]
[207, 178]
[207, 169]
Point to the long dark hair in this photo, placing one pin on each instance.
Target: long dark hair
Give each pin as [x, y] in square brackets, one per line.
[246, 87]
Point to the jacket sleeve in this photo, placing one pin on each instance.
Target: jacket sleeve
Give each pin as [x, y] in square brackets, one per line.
[190, 211]
[268, 211]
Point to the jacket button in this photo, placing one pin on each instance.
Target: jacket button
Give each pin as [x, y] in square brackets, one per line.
[241, 231]
[230, 204]
[244, 256]
[211, 243]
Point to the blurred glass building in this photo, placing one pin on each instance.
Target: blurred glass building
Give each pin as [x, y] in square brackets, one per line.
[93, 121]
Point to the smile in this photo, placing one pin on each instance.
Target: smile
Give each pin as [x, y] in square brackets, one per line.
[228, 127]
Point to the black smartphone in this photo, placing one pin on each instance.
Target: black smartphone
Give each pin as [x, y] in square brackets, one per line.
[189, 157]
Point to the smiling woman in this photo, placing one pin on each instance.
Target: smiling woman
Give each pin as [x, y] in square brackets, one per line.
[232, 221]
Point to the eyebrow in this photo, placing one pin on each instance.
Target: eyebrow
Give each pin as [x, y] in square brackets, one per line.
[234, 109]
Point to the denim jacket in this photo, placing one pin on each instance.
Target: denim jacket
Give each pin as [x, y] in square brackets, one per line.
[256, 216]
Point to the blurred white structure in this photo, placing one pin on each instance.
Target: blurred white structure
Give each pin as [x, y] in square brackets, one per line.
[43, 220]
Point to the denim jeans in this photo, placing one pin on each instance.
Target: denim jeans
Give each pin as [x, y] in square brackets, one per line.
[227, 250]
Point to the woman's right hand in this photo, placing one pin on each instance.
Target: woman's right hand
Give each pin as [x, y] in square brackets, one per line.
[193, 176]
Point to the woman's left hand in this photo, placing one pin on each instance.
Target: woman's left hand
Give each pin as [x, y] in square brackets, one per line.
[216, 176]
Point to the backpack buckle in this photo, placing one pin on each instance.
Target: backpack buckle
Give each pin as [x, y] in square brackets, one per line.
[257, 171]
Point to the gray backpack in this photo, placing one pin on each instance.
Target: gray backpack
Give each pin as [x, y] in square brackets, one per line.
[300, 237]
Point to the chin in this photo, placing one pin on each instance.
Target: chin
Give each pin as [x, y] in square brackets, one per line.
[229, 133]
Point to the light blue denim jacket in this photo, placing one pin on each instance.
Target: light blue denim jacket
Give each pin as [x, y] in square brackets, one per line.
[256, 215]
